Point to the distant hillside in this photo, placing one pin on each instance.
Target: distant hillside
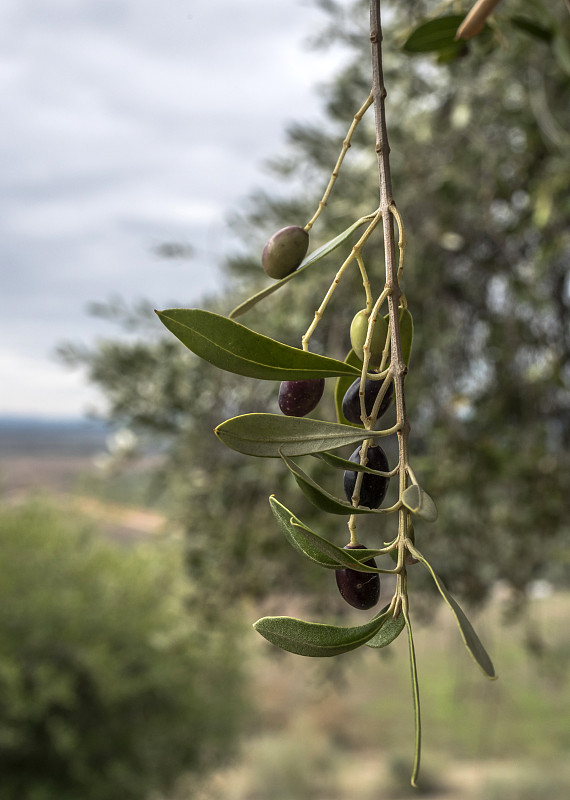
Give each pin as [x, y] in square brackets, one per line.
[31, 436]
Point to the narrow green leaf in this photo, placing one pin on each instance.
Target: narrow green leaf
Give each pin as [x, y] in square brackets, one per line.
[311, 259]
[561, 50]
[293, 529]
[416, 696]
[420, 503]
[391, 629]
[457, 50]
[318, 549]
[437, 34]
[532, 28]
[322, 499]
[341, 386]
[264, 435]
[343, 463]
[314, 639]
[470, 638]
[235, 348]
[406, 333]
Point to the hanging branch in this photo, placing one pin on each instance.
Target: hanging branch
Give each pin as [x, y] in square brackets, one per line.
[398, 366]
[380, 351]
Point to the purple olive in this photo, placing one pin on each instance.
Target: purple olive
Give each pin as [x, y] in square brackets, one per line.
[297, 398]
[373, 487]
[359, 589]
[284, 251]
[351, 399]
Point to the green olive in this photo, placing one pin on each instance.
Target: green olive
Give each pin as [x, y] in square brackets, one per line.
[359, 332]
[284, 251]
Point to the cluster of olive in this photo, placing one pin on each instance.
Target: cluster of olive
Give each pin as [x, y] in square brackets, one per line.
[281, 256]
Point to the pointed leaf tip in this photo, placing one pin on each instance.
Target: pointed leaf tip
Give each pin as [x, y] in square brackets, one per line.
[468, 634]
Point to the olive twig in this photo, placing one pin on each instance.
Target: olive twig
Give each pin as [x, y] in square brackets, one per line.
[398, 368]
[366, 346]
[402, 241]
[334, 175]
[412, 475]
[350, 258]
[365, 281]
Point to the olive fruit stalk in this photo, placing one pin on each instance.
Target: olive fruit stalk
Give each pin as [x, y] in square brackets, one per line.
[373, 487]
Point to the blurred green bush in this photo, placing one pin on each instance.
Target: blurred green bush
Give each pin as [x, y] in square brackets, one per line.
[107, 687]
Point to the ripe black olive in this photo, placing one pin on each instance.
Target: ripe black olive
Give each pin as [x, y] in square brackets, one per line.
[359, 589]
[297, 398]
[374, 487]
[351, 400]
[284, 252]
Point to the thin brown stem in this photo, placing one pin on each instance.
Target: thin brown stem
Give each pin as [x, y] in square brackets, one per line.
[398, 367]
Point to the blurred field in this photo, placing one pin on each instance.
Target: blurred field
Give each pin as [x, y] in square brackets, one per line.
[69, 462]
[341, 729]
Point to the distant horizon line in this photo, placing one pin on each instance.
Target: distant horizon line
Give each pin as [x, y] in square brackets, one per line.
[13, 418]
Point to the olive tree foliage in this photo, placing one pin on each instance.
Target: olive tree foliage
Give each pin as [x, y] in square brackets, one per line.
[480, 150]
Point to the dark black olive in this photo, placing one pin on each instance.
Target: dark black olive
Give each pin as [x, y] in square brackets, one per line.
[297, 398]
[351, 399]
[374, 487]
[359, 589]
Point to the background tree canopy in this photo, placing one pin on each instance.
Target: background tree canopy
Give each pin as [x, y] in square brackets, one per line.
[108, 687]
[480, 149]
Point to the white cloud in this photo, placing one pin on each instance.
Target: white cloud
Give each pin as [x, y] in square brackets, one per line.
[36, 387]
[127, 123]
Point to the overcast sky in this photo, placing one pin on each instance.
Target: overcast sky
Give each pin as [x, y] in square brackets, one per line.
[126, 124]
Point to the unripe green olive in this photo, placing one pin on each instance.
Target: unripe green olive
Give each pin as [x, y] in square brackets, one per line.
[359, 332]
[284, 251]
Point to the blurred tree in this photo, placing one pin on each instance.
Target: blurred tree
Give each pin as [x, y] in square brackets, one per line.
[107, 688]
[480, 166]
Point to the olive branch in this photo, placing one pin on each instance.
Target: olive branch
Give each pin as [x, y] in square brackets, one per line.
[371, 376]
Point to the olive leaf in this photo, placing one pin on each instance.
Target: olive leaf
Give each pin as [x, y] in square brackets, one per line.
[311, 259]
[470, 638]
[391, 629]
[435, 35]
[315, 547]
[406, 333]
[322, 499]
[235, 348]
[343, 463]
[342, 385]
[532, 28]
[315, 639]
[561, 50]
[416, 697]
[264, 435]
[293, 530]
[419, 502]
